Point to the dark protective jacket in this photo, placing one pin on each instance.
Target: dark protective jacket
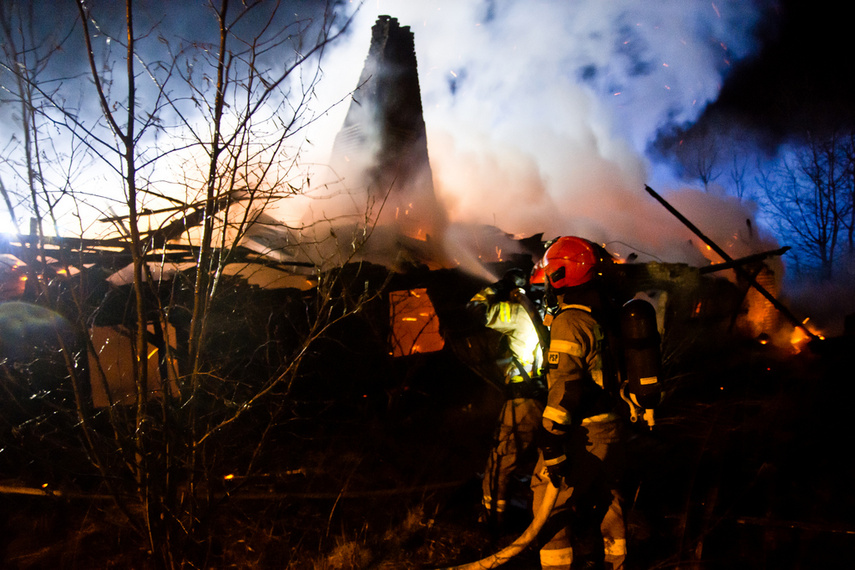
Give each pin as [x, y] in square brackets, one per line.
[575, 368]
[581, 440]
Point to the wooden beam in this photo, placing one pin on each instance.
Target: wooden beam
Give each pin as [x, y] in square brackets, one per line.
[743, 260]
[737, 267]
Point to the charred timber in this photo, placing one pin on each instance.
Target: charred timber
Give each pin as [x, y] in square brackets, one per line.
[740, 270]
[116, 252]
[744, 260]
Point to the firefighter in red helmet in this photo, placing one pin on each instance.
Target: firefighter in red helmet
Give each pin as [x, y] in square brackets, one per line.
[581, 433]
[505, 308]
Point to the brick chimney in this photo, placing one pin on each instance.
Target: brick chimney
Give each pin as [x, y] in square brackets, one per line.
[383, 143]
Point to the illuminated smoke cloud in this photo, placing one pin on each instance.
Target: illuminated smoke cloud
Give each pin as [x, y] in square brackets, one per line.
[539, 113]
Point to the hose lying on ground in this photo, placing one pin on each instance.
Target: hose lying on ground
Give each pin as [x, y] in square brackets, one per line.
[523, 541]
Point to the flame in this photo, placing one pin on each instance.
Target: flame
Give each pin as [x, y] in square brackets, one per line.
[415, 327]
[419, 234]
[799, 338]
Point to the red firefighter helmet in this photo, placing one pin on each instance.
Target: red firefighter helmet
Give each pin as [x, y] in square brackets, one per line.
[569, 261]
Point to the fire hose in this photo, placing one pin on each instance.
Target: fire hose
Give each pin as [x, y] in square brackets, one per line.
[523, 541]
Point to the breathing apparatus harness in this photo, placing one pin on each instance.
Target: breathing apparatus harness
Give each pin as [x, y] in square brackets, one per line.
[639, 336]
[632, 340]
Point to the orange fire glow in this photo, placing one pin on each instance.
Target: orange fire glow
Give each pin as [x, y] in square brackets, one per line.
[415, 325]
[799, 338]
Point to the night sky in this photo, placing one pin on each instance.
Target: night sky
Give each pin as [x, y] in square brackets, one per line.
[802, 78]
[798, 73]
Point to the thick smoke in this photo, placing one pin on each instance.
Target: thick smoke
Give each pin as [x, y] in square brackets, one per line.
[539, 113]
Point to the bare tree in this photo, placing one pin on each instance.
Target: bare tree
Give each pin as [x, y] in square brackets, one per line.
[200, 138]
[806, 196]
[29, 150]
[738, 166]
[705, 165]
[699, 156]
[848, 150]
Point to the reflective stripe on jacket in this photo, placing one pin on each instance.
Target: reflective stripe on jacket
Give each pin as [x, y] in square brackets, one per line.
[575, 366]
[513, 321]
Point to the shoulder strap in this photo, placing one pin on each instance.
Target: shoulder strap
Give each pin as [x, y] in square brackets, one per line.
[523, 372]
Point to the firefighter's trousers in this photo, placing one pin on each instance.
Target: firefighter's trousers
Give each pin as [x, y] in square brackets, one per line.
[518, 423]
[587, 522]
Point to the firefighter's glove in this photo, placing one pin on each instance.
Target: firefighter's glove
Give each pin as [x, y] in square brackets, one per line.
[516, 295]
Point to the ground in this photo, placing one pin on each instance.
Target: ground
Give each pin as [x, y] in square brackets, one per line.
[748, 466]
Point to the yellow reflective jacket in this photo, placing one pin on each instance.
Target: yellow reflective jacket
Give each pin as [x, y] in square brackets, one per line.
[514, 322]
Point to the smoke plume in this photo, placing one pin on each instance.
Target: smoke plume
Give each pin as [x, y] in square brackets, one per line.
[539, 113]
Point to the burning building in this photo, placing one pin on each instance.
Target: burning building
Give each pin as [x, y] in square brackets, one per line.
[381, 154]
[382, 145]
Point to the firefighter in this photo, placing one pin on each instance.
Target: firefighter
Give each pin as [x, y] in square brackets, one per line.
[505, 308]
[580, 438]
